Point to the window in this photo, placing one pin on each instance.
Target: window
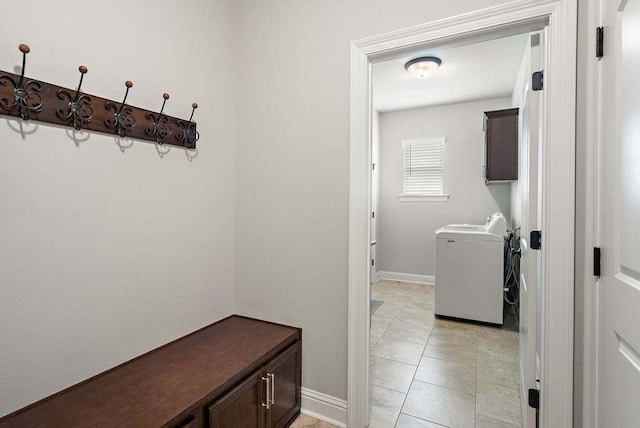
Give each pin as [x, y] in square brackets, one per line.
[423, 169]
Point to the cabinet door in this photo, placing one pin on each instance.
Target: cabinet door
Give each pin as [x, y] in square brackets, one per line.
[192, 422]
[285, 373]
[242, 407]
[501, 145]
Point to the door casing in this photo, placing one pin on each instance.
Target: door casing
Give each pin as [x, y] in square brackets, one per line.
[558, 167]
[588, 219]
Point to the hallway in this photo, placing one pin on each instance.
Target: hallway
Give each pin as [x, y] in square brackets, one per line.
[431, 373]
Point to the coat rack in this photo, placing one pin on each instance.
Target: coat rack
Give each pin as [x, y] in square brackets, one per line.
[32, 99]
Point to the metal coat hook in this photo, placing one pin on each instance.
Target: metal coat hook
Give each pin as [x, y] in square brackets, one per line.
[160, 129]
[80, 111]
[189, 134]
[75, 109]
[123, 119]
[26, 96]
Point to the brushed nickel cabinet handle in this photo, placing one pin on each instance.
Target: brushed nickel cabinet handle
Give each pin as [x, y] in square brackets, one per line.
[273, 387]
[268, 390]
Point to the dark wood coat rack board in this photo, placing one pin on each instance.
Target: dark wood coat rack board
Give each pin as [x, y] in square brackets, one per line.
[40, 101]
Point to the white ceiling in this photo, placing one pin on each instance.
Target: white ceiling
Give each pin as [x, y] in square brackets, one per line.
[472, 72]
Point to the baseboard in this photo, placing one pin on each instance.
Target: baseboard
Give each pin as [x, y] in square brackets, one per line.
[407, 277]
[324, 407]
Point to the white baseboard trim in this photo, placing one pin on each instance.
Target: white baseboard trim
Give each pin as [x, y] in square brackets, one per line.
[407, 277]
[376, 276]
[324, 407]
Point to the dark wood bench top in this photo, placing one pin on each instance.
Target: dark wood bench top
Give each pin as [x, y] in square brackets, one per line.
[159, 388]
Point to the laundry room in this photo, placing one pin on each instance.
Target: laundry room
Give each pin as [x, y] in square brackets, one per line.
[447, 202]
[407, 223]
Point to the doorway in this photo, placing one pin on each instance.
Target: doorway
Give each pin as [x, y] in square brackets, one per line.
[557, 166]
[472, 364]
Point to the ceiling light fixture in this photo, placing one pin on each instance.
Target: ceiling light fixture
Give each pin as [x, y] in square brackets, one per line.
[423, 67]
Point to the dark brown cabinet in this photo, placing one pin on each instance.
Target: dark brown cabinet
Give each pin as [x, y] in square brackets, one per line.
[501, 146]
[236, 373]
[270, 397]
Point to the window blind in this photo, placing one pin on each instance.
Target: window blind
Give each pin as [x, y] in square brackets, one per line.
[423, 166]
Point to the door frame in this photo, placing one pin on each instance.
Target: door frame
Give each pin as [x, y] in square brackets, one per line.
[558, 166]
[588, 219]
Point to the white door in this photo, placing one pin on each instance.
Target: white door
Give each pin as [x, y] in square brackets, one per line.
[531, 120]
[618, 377]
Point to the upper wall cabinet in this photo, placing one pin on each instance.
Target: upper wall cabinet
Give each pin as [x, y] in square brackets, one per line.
[500, 146]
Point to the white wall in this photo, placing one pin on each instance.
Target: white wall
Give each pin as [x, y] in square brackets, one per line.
[293, 161]
[407, 229]
[105, 255]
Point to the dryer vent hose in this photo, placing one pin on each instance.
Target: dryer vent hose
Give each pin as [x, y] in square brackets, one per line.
[512, 267]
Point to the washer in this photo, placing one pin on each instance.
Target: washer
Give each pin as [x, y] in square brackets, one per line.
[470, 270]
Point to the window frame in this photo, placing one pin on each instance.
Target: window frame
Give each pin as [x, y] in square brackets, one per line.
[423, 197]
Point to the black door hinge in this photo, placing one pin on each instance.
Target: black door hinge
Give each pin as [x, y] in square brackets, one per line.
[537, 80]
[534, 398]
[373, 214]
[599, 42]
[535, 239]
[596, 261]
[373, 262]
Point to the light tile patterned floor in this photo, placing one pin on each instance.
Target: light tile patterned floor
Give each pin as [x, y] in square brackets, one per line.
[304, 421]
[433, 373]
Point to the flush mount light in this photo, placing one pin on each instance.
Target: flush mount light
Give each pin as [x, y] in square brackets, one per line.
[423, 67]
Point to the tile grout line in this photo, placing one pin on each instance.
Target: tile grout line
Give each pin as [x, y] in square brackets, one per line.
[389, 389]
[444, 387]
[396, 361]
[497, 419]
[412, 380]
